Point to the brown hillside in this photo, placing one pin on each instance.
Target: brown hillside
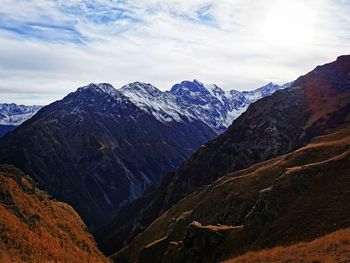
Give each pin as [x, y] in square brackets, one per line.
[334, 247]
[295, 197]
[34, 228]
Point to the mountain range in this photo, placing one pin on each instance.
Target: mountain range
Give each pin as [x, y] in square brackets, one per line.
[315, 104]
[99, 147]
[209, 103]
[193, 99]
[12, 115]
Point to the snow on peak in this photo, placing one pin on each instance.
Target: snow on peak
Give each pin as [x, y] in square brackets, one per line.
[187, 86]
[189, 100]
[162, 105]
[13, 114]
[102, 88]
[213, 105]
[264, 91]
[140, 87]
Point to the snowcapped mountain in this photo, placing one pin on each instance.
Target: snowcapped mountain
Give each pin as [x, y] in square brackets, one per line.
[162, 105]
[13, 114]
[192, 100]
[186, 101]
[267, 90]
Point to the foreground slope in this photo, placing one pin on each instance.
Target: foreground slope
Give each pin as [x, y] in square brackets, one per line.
[272, 126]
[35, 228]
[334, 247]
[95, 149]
[295, 197]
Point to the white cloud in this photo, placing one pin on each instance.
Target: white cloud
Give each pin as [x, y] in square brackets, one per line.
[49, 48]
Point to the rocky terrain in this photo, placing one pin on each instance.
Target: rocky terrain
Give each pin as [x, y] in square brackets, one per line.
[316, 104]
[35, 228]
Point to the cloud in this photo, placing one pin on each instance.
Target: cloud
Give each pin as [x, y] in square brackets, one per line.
[49, 48]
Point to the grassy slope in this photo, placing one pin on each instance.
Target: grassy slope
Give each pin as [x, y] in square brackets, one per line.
[334, 247]
[34, 228]
[322, 208]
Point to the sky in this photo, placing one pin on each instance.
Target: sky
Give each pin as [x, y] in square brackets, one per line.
[50, 48]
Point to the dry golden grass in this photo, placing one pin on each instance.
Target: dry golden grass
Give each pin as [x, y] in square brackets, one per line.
[321, 208]
[334, 247]
[34, 228]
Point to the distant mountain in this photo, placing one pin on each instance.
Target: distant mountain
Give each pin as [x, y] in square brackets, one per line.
[12, 115]
[218, 108]
[35, 228]
[194, 100]
[96, 149]
[315, 104]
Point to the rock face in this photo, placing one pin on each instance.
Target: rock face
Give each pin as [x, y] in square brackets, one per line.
[272, 126]
[95, 149]
[12, 115]
[35, 228]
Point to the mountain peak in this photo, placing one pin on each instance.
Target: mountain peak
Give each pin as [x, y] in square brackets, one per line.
[197, 82]
[343, 57]
[98, 86]
[188, 86]
[105, 88]
[137, 87]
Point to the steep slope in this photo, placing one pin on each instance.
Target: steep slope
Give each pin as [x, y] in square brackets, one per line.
[35, 228]
[272, 126]
[296, 197]
[12, 115]
[95, 149]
